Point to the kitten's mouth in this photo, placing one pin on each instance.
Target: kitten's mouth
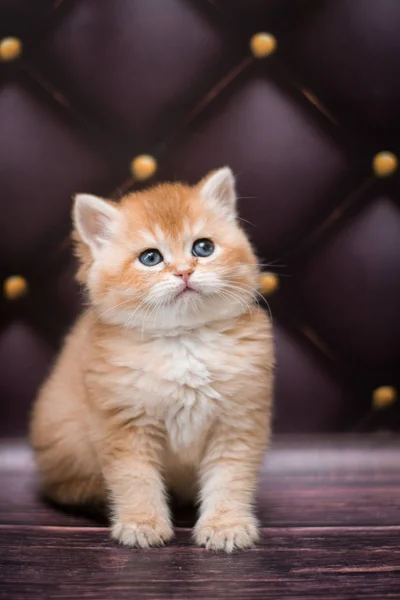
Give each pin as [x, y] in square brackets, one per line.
[187, 291]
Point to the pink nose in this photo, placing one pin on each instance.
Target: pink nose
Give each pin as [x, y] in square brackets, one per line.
[184, 275]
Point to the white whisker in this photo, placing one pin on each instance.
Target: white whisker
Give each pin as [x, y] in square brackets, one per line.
[130, 318]
[240, 285]
[116, 306]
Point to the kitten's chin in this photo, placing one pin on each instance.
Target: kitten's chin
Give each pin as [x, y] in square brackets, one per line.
[187, 294]
[187, 309]
[187, 312]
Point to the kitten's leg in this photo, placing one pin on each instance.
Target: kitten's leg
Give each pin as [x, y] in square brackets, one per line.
[132, 468]
[228, 480]
[75, 491]
[65, 457]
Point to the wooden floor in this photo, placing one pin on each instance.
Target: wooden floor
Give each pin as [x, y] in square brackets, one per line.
[330, 515]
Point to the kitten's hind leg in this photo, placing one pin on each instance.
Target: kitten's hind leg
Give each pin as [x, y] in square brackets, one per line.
[87, 490]
[68, 473]
[65, 457]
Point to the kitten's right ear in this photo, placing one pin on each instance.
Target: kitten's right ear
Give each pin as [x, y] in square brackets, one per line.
[95, 220]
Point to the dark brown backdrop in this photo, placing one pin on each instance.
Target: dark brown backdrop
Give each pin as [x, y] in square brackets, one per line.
[102, 81]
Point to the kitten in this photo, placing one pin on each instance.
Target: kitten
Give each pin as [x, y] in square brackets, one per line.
[165, 381]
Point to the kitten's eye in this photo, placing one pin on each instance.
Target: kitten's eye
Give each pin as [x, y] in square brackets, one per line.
[151, 258]
[202, 248]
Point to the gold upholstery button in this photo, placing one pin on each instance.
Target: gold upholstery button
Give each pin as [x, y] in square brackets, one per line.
[14, 287]
[269, 283]
[262, 44]
[143, 166]
[10, 48]
[384, 396]
[384, 164]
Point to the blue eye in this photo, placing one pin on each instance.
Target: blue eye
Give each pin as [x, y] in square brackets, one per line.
[203, 248]
[151, 258]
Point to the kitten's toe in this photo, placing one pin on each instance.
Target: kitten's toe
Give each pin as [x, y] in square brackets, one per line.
[237, 534]
[142, 534]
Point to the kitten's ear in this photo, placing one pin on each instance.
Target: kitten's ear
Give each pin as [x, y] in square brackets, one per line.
[219, 188]
[95, 220]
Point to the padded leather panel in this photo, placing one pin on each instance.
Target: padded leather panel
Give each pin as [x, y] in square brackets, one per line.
[348, 52]
[100, 82]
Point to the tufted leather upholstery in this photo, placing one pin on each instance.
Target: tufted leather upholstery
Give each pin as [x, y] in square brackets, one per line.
[100, 82]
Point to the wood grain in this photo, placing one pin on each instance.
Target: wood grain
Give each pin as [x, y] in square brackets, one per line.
[303, 483]
[330, 511]
[355, 562]
[281, 501]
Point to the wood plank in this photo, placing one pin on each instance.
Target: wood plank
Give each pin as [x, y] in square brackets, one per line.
[281, 502]
[341, 563]
[314, 482]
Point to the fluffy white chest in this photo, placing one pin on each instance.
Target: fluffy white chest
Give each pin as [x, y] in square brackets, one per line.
[174, 379]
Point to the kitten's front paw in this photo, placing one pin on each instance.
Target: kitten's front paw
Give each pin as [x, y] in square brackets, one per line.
[227, 535]
[143, 533]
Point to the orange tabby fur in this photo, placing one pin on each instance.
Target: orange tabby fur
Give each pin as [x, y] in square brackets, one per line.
[155, 391]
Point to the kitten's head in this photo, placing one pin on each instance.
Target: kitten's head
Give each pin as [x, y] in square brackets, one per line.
[167, 257]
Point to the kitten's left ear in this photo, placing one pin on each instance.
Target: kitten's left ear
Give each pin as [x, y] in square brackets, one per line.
[219, 188]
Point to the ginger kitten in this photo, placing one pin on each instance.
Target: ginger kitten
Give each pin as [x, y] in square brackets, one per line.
[165, 381]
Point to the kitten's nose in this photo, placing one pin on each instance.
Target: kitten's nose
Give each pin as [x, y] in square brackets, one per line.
[184, 274]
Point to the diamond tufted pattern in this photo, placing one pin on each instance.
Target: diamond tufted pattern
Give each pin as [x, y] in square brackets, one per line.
[99, 83]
